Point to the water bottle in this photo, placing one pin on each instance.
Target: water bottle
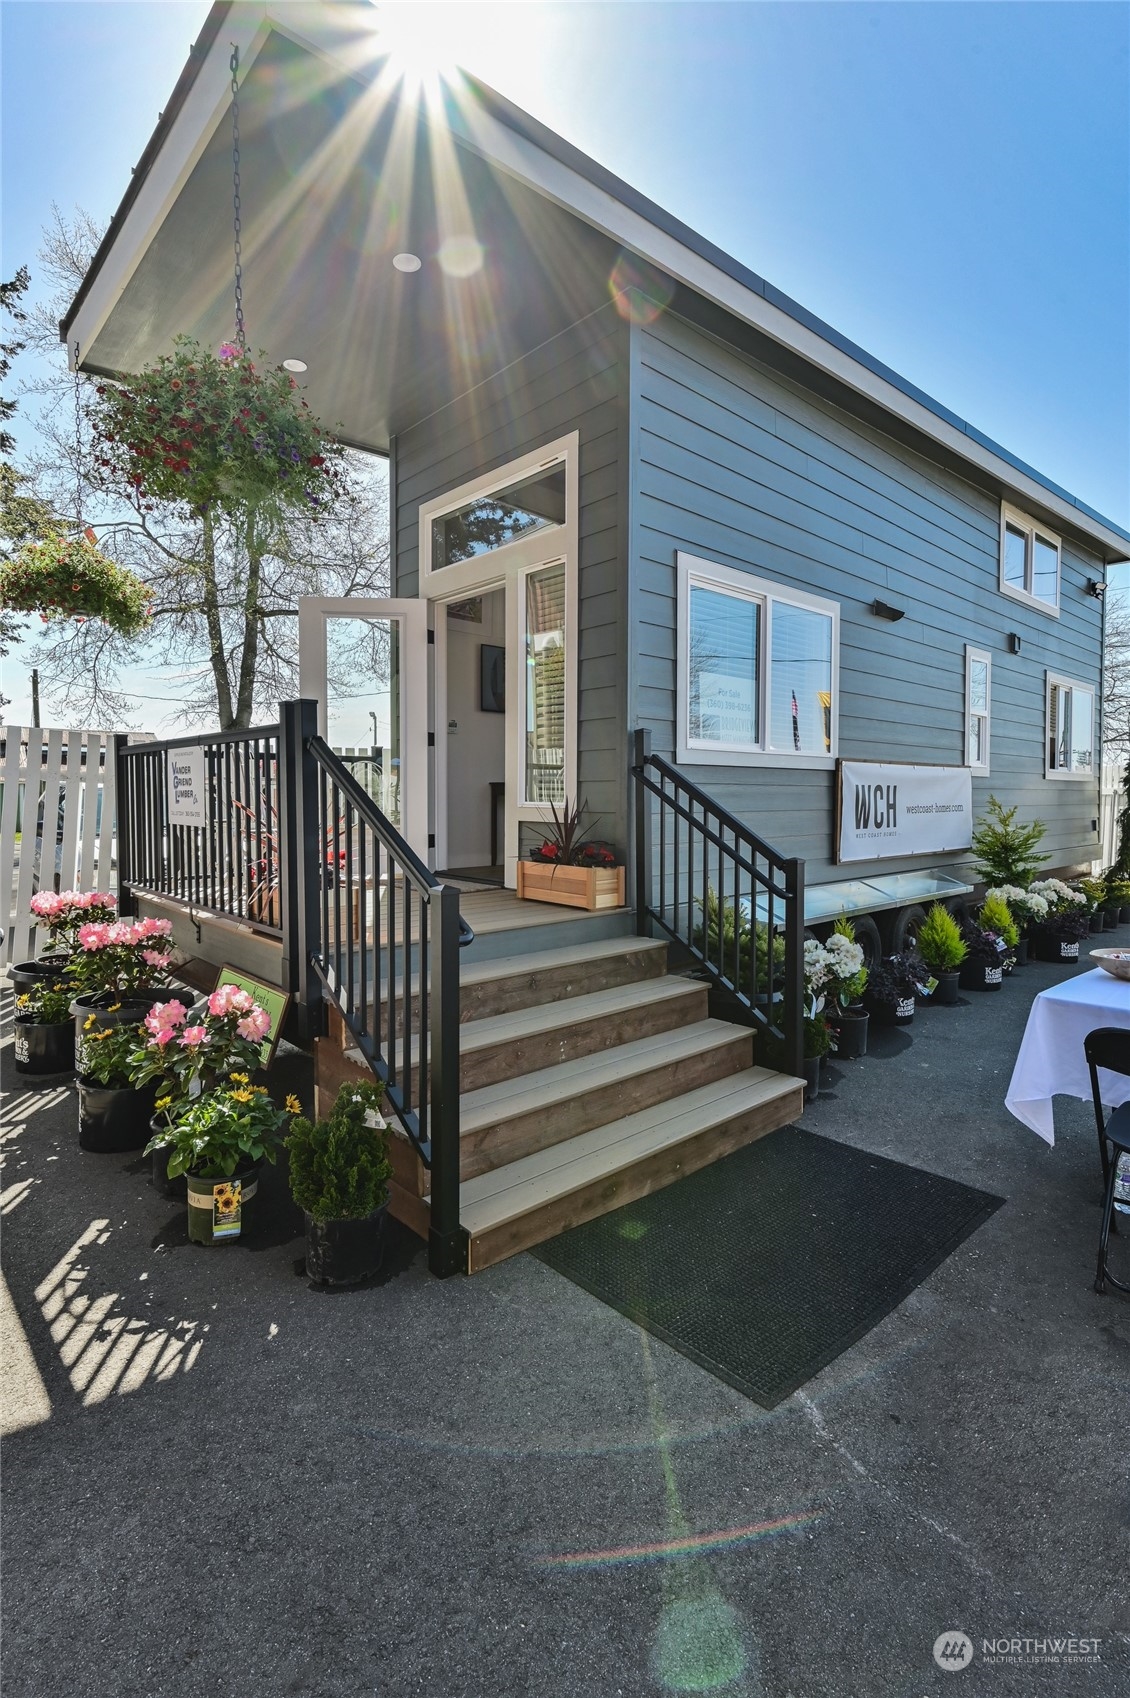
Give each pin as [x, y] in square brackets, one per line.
[1122, 1185]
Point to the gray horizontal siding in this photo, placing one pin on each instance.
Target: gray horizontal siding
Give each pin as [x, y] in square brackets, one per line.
[579, 382]
[741, 466]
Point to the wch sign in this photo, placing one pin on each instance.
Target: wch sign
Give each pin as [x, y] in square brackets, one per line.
[887, 809]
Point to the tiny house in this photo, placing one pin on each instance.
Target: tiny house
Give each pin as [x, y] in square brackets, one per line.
[640, 501]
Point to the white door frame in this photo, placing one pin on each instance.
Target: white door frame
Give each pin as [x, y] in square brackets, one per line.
[507, 568]
[412, 614]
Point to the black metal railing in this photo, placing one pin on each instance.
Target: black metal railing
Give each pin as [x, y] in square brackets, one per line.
[228, 861]
[736, 904]
[382, 935]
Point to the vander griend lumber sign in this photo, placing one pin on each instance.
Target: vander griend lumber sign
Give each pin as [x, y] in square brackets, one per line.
[886, 809]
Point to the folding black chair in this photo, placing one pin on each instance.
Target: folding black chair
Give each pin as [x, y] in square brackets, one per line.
[1109, 1047]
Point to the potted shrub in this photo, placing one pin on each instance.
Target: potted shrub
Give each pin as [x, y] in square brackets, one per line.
[1007, 852]
[817, 1044]
[182, 1053]
[113, 1113]
[219, 1140]
[742, 951]
[893, 986]
[1056, 937]
[983, 966]
[1027, 909]
[941, 947]
[339, 1173]
[996, 916]
[1118, 896]
[1094, 890]
[44, 1035]
[571, 871]
[847, 982]
[125, 963]
[58, 915]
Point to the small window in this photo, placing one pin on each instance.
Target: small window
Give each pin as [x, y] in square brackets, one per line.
[545, 686]
[978, 695]
[1029, 561]
[757, 668]
[1070, 729]
[535, 503]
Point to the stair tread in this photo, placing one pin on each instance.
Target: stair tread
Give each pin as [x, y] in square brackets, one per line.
[504, 1193]
[524, 1022]
[549, 1085]
[579, 955]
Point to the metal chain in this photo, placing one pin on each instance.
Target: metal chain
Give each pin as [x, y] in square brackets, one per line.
[78, 440]
[240, 334]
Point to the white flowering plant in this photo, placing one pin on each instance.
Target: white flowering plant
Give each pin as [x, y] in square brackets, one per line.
[1060, 897]
[1024, 905]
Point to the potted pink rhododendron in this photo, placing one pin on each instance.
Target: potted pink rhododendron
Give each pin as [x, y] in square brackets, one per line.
[58, 915]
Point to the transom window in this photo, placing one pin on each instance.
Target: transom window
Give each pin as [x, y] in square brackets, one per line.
[978, 693]
[487, 522]
[757, 668]
[1070, 729]
[1030, 558]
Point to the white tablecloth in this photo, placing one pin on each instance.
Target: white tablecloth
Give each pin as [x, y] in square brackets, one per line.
[1051, 1060]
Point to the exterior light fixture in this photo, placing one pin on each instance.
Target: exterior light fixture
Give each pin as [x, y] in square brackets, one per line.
[884, 610]
[1096, 587]
[1014, 642]
[407, 262]
[294, 365]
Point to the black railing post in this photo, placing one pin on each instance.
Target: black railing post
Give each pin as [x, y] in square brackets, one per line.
[447, 1242]
[641, 750]
[793, 1022]
[301, 864]
[122, 824]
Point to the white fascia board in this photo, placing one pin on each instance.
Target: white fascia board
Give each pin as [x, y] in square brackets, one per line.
[245, 26]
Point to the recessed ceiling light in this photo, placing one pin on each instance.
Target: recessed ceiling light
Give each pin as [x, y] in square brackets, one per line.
[294, 365]
[407, 262]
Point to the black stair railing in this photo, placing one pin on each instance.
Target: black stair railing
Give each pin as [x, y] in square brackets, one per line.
[730, 899]
[381, 937]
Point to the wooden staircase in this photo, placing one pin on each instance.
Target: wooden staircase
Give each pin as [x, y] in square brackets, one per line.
[589, 1076]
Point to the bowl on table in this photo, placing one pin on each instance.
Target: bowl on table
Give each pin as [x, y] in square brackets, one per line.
[1116, 961]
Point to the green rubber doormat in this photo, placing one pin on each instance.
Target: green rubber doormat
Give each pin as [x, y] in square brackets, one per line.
[766, 1266]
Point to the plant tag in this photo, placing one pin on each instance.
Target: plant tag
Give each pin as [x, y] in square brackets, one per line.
[1001, 946]
[227, 1209]
[375, 1120]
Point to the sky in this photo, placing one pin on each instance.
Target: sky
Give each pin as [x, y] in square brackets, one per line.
[946, 183]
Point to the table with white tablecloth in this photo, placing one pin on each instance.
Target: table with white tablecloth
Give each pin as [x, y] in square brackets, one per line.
[1051, 1062]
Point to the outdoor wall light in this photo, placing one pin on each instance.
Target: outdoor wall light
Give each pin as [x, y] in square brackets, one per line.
[884, 610]
[294, 365]
[1014, 642]
[1096, 587]
[407, 262]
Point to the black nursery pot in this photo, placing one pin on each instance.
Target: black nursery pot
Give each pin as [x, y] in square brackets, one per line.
[1111, 918]
[159, 1171]
[28, 973]
[1020, 950]
[131, 1013]
[43, 1049]
[945, 991]
[112, 1119]
[851, 1034]
[1096, 921]
[898, 1013]
[343, 1252]
[1053, 946]
[981, 975]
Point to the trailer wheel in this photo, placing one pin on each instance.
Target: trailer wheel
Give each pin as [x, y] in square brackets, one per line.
[958, 906]
[868, 939]
[902, 928]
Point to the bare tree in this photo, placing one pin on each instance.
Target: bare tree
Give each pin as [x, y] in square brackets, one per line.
[225, 594]
[1116, 679]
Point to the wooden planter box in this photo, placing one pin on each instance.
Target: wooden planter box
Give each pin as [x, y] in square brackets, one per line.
[571, 887]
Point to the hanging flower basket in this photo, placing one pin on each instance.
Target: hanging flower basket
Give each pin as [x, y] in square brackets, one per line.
[215, 430]
[69, 578]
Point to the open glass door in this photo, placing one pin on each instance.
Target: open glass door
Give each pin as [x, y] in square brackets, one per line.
[365, 663]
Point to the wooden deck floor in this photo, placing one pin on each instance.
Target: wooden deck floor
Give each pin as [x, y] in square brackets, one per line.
[501, 911]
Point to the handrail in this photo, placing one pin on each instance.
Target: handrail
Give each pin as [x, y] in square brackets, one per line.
[730, 899]
[382, 936]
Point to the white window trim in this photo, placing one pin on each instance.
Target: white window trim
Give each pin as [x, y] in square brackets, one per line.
[1076, 686]
[972, 654]
[507, 568]
[539, 548]
[691, 569]
[1025, 522]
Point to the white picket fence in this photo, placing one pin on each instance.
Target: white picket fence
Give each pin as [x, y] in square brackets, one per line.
[1112, 800]
[56, 822]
